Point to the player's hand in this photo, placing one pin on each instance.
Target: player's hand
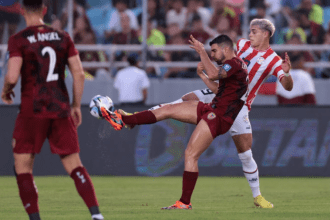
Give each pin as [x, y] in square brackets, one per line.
[200, 68]
[7, 98]
[196, 45]
[76, 116]
[286, 64]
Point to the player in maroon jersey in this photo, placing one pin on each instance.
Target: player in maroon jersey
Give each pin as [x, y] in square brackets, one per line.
[212, 119]
[38, 54]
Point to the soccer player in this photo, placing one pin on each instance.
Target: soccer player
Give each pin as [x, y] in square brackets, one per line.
[39, 54]
[212, 119]
[262, 62]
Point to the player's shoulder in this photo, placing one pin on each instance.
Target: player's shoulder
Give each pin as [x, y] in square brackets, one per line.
[241, 42]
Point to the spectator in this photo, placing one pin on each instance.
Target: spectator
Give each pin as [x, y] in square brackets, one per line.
[261, 12]
[315, 32]
[197, 30]
[114, 25]
[78, 11]
[193, 9]
[156, 14]
[126, 36]
[183, 56]
[9, 14]
[325, 56]
[303, 92]
[83, 34]
[315, 12]
[177, 15]
[220, 9]
[273, 7]
[295, 29]
[132, 83]
[308, 57]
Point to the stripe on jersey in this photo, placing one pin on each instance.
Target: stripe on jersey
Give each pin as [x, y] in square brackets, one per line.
[246, 46]
[255, 88]
[251, 55]
[256, 66]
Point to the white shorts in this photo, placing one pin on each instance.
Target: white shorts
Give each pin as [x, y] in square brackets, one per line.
[204, 95]
[241, 124]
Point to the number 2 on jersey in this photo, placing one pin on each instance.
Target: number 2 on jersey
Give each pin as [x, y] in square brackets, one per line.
[52, 61]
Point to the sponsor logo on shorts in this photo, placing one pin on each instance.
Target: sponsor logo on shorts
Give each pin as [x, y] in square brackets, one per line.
[246, 119]
[226, 67]
[13, 142]
[211, 116]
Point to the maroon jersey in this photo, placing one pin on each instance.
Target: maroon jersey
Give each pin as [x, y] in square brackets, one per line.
[232, 91]
[45, 53]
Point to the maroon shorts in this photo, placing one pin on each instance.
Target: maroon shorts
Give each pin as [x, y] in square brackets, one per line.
[215, 122]
[30, 133]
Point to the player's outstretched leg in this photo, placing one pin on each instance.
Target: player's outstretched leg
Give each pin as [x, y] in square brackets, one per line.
[114, 118]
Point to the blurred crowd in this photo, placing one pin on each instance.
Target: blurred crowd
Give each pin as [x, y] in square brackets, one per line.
[171, 22]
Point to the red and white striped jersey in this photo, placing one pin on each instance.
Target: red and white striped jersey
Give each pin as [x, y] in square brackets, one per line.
[261, 65]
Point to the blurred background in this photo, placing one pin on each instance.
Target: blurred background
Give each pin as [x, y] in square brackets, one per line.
[154, 34]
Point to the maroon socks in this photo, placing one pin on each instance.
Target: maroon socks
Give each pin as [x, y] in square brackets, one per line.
[188, 184]
[84, 186]
[28, 192]
[145, 117]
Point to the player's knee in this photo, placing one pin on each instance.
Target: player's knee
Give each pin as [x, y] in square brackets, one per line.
[191, 154]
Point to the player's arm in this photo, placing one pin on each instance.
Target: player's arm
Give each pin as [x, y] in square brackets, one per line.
[213, 86]
[11, 79]
[287, 81]
[78, 76]
[211, 70]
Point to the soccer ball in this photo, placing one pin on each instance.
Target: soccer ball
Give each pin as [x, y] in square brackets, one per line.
[99, 101]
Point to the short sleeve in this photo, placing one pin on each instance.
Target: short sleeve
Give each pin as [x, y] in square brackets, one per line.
[277, 70]
[309, 87]
[72, 51]
[13, 48]
[230, 66]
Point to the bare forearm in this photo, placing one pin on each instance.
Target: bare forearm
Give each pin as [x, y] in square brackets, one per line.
[78, 89]
[213, 86]
[287, 83]
[210, 68]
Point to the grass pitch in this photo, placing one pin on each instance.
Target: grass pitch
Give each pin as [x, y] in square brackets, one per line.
[142, 197]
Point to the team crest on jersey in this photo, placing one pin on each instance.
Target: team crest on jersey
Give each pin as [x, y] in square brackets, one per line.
[260, 60]
[211, 116]
[244, 66]
[226, 67]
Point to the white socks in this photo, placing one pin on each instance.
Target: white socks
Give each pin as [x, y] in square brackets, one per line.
[161, 105]
[251, 172]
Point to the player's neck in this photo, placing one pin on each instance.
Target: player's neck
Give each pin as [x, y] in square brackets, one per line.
[263, 46]
[33, 20]
[230, 56]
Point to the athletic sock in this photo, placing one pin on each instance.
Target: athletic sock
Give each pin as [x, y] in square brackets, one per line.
[28, 193]
[251, 172]
[161, 105]
[84, 186]
[144, 117]
[188, 184]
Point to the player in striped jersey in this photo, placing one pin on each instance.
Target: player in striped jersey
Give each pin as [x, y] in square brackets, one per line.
[262, 62]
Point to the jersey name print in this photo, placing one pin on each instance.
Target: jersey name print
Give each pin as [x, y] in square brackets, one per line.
[45, 54]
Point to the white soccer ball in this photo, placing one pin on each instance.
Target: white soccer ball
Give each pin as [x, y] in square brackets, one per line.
[99, 101]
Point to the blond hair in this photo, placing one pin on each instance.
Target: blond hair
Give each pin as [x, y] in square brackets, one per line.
[264, 24]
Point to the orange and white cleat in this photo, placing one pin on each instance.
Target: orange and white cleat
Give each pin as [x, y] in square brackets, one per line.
[114, 118]
[122, 112]
[178, 205]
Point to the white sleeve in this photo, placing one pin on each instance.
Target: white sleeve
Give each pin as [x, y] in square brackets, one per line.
[114, 20]
[133, 20]
[277, 70]
[116, 82]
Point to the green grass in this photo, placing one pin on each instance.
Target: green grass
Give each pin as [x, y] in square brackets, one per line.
[142, 197]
